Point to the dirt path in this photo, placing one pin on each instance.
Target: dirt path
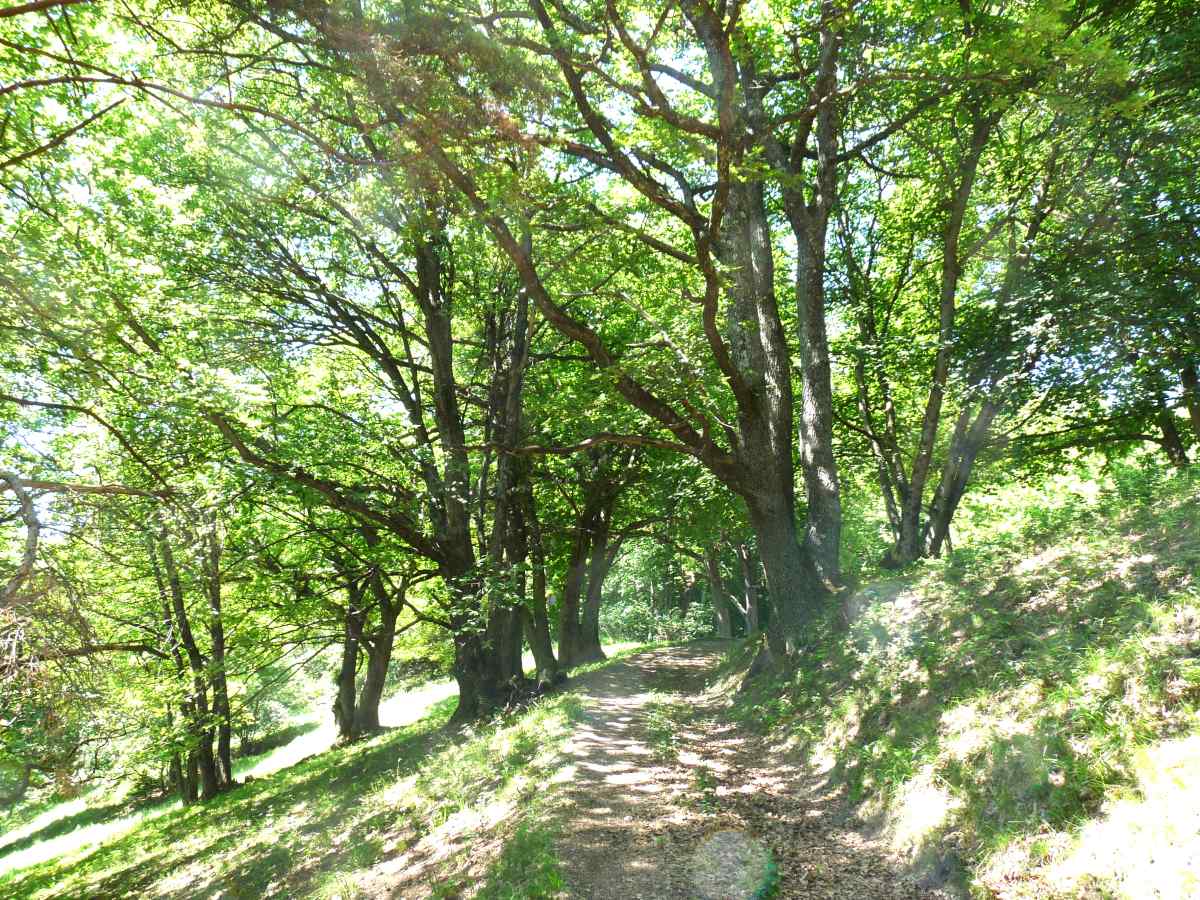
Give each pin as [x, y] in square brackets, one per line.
[640, 817]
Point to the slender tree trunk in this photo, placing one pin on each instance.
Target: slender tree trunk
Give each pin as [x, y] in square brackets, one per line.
[909, 547]
[956, 474]
[720, 598]
[749, 592]
[202, 728]
[217, 677]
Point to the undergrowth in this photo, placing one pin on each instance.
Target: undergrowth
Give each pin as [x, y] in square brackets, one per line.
[995, 707]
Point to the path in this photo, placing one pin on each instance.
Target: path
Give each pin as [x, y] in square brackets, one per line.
[635, 815]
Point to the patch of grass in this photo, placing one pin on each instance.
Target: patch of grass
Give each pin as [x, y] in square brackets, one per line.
[664, 718]
[527, 868]
[994, 703]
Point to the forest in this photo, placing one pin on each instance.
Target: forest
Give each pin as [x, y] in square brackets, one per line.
[715, 449]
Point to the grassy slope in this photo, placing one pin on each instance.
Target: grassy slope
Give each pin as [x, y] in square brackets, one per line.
[465, 809]
[1022, 716]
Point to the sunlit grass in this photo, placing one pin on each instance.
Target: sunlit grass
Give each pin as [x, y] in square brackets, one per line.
[324, 821]
[997, 708]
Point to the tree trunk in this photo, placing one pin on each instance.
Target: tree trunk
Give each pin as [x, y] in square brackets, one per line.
[1191, 395]
[17, 794]
[379, 659]
[760, 355]
[201, 725]
[589, 649]
[344, 710]
[956, 474]
[789, 577]
[569, 625]
[720, 598]
[909, 546]
[1172, 443]
[749, 605]
[823, 530]
[217, 677]
[537, 618]
[478, 696]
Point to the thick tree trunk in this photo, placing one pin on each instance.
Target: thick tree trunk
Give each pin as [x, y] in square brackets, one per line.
[823, 530]
[379, 658]
[478, 695]
[759, 352]
[18, 791]
[602, 557]
[503, 645]
[789, 577]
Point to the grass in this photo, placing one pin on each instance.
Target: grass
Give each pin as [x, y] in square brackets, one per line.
[468, 808]
[1016, 713]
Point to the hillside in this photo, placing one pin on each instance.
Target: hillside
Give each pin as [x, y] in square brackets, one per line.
[1020, 718]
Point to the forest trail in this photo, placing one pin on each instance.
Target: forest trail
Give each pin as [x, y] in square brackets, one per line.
[666, 794]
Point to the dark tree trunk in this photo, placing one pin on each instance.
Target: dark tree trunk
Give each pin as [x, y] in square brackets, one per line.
[1171, 443]
[602, 557]
[1191, 395]
[537, 618]
[344, 709]
[379, 658]
[503, 643]
[191, 778]
[18, 791]
[788, 576]
[478, 695]
[569, 624]
[202, 727]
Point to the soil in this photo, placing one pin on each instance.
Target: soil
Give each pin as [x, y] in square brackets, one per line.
[644, 821]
